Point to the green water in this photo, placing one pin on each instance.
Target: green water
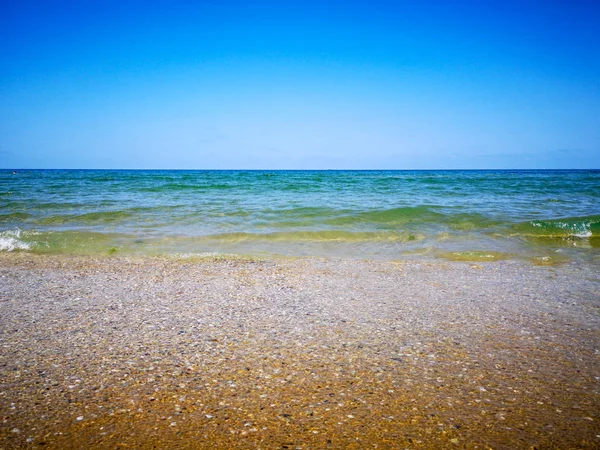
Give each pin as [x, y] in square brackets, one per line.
[464, 215]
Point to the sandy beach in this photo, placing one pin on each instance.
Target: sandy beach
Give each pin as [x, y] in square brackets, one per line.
[119, 352]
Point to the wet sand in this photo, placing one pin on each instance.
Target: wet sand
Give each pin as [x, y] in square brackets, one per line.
[297, 353]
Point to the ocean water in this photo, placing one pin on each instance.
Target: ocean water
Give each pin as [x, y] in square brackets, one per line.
[544, 216]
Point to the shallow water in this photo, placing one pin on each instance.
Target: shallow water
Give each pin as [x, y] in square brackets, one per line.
[548, 216]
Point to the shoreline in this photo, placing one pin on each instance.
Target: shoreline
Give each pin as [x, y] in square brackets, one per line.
[221, 352]
[554, 258]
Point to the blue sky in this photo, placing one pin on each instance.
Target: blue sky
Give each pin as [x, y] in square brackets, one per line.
[299, 85]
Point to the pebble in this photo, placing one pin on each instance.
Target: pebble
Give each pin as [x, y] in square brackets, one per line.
[295, 345]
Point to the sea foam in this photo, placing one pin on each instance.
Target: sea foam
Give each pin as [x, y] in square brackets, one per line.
[11, 240]
[577, 227]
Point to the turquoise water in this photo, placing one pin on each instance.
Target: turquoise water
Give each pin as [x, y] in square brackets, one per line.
[545, 216]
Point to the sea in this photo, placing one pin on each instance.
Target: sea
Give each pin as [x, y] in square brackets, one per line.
[543, 216]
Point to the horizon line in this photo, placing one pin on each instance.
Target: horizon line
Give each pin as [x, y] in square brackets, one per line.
[289, 170]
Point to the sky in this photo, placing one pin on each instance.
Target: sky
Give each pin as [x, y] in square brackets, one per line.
[300, 84]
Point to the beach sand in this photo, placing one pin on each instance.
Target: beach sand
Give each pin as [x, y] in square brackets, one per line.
[297, 353]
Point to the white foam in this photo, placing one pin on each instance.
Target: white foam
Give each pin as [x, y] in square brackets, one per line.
[580, 230]
[10, 240]
[583, 234]
[576, 229]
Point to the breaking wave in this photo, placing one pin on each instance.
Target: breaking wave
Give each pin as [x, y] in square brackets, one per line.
[10, 240]
[581, 227]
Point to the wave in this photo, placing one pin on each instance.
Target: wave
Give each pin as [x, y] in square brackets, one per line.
[88, 218]
[394, 216]
[579, 227]
[10, 240]
[174, 187]
[89, 242]
[414, 216]
[103, 179]
[14, 216]
[418, 218]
